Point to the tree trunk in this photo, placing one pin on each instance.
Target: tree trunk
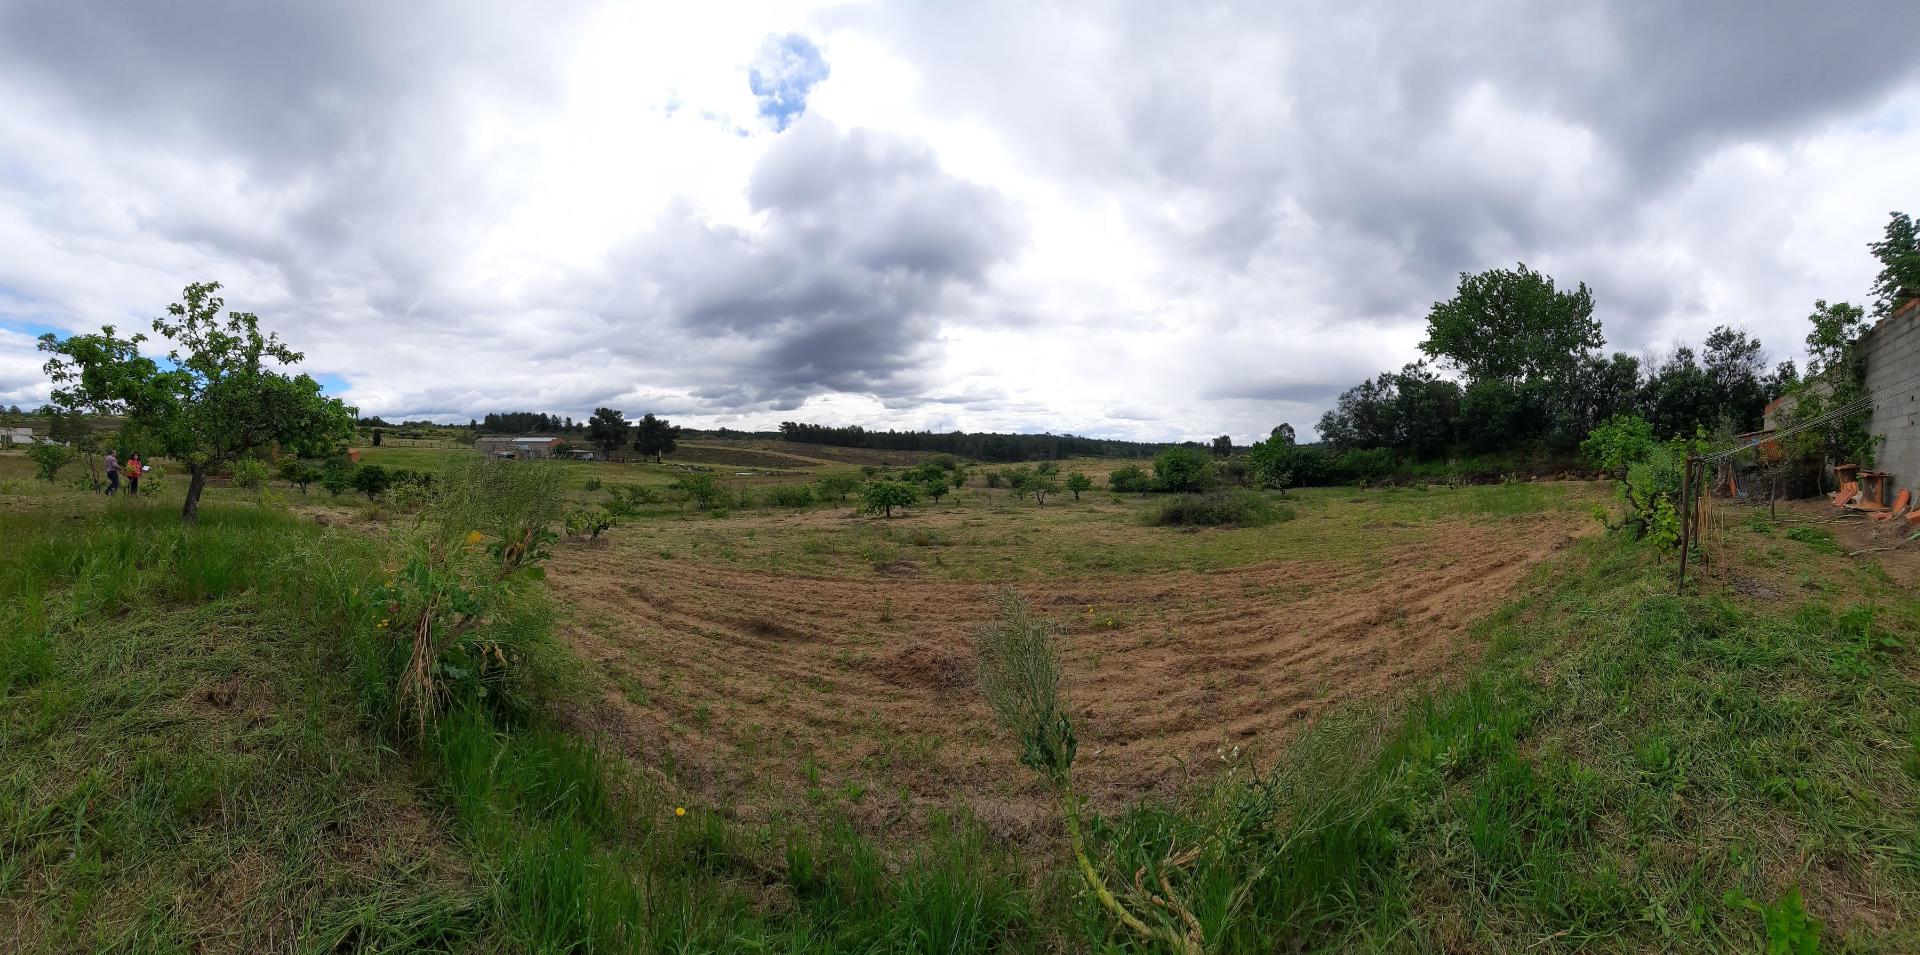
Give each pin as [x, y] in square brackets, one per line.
[190, 511]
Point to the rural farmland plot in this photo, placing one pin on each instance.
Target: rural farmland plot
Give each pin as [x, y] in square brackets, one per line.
[816, 645]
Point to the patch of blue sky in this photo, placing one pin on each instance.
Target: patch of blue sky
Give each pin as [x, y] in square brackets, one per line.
[788, 68]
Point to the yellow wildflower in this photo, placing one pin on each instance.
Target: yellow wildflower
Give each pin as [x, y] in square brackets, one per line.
[475, 537]
[679, 810]
[383, 625]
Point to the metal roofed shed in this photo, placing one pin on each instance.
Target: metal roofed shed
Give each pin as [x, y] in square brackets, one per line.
[523, 448]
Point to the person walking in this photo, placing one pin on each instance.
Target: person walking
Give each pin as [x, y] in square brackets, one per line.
[133, 474]
[113, 473]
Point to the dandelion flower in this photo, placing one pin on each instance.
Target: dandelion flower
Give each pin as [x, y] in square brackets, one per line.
[679, 810]
[475, 537]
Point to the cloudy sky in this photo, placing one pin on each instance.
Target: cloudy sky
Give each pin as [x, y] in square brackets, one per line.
[1146, 220]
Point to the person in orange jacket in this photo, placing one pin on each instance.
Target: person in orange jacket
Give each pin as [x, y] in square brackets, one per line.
[133, 469]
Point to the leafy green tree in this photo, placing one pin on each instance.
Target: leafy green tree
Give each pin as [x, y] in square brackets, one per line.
[299, 473]
[1077, 482]
[1281, 466]
[881, 497]
[837, 485]
[654, 436]
[1899, 255]
[1366, 465]
[1041, 484]
[608, 429]
[219, 396]
[74, 430]
[935, 486]
[1836, 376]
[1223, 446]
[1512, 325]
[372, 480]
[1282, 432]
[337, 477]
[1182, 470]
[48, 458]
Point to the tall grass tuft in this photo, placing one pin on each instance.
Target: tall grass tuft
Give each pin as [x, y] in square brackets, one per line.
[1020, 677]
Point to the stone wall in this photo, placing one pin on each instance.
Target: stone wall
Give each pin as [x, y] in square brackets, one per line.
[1893, 353]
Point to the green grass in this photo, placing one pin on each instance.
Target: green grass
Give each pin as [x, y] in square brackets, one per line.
[990, 535]
[1628, 772]
[181, 766]
[196, 753]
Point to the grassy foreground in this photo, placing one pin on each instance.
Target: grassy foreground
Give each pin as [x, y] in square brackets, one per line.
[198, 753]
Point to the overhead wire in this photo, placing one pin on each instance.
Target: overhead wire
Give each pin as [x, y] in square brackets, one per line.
[1858, 404]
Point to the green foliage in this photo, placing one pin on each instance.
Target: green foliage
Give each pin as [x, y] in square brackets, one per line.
[250, 473]
[881, 497]
[1618, 443]
[1077, 482]
[1365, 465]
[1787, 927]
[607, 428]
[1040, 483]
[654, 437]
[1129, 478]
[1899, 254]
[372, 480]
[337, 476]
[1281, 464]
[1019, 674]
[935, 486]
[837, 485]
[219, 396]
[626, 500]
[299, 473]
[1837, 372]
[1232, 506]
[590, 522]
[487, 529]
[701, 488]
[791, 495]
[48, 458]
[1513, 326]
[1182, 470]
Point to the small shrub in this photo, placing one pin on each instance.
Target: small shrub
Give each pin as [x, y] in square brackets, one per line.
[791, 495]
[628, 499]
[249, 473]
[1215, 508]
[48, 458]
[1366, 465]
[593, 484]
[1131, 478]
[372, 480]
[837, 486]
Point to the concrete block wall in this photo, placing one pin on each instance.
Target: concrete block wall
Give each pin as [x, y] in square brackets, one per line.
[1893, 353]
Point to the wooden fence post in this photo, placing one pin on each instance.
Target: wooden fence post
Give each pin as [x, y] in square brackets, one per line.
[1686, 520]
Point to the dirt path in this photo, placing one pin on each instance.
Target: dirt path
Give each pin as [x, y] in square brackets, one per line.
[754, 685]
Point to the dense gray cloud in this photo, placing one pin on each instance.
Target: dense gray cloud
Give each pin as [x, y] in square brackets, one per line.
[1124, 218]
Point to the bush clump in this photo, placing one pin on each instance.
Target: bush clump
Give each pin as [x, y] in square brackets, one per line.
[1235, 506]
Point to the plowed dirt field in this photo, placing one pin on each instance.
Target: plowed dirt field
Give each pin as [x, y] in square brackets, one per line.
[755, 685]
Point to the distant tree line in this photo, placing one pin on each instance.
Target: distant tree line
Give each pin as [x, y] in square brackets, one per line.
[979, 446]
[524, 422]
